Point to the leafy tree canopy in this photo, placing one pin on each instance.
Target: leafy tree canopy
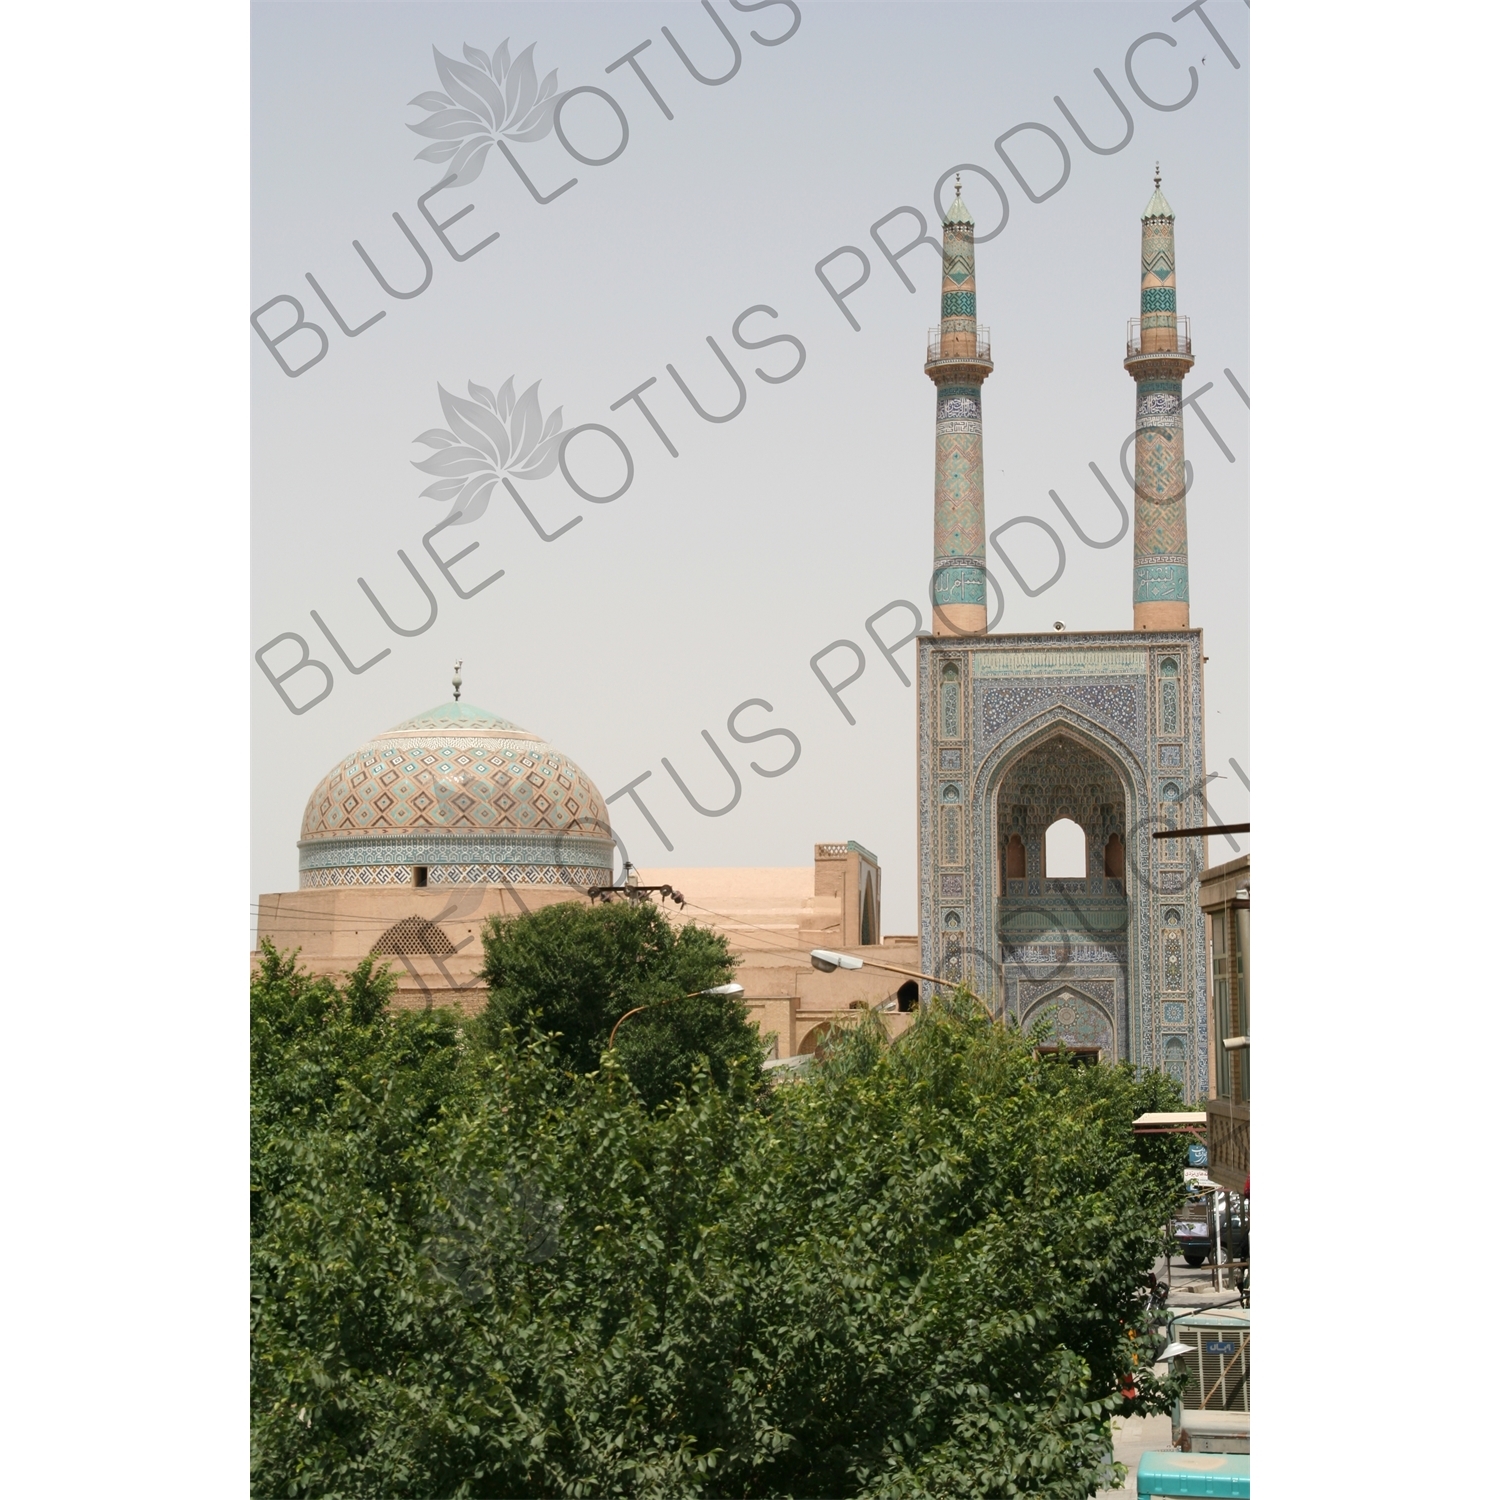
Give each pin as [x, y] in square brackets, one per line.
[317, 1048]
[575, 970]
[917, 1272]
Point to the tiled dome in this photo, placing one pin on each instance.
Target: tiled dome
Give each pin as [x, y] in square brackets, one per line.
[456, 795]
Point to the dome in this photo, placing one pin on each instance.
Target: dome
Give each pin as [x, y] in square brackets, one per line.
[456, 796]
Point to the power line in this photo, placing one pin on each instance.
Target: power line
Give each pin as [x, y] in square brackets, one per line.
[773, 939]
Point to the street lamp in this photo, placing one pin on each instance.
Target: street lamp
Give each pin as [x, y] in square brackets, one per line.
[825, 960]
[718, 989]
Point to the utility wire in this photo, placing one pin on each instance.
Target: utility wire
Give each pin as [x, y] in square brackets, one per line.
[773, 939]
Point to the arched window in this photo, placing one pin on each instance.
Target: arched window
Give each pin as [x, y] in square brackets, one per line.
[906, 996]
[1066, 855]
[1114, 857]
[1015, 858]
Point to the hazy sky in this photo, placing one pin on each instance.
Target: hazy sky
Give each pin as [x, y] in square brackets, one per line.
[718, 573]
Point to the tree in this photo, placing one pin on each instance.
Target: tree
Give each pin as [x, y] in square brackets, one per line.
[574, 971]
[919, 1271]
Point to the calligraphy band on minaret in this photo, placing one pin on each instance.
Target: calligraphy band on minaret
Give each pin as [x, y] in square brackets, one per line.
[958, 360]
[1158, 353]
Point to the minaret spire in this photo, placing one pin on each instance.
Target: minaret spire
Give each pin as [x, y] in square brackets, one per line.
[958, 360]
[1158, 353]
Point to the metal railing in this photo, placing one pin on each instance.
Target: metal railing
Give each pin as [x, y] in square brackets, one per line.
[980, 336]
[1178, 340]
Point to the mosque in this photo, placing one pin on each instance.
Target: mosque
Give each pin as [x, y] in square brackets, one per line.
[414, 840]
[1046, 763]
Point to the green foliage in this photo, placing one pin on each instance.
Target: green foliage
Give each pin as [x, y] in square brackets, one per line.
[328, 1063]
[574, 971]
[918, 1272]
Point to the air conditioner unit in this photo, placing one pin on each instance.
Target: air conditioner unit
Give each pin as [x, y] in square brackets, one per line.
[1218, 1370]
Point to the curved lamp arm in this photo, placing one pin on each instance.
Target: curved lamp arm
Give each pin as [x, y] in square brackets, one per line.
[718, 989]
[826, 961]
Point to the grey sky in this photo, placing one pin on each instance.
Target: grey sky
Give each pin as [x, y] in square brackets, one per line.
[720, 572]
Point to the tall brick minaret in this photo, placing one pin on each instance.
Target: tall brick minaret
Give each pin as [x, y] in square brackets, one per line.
[958, 360]
[1158, 353]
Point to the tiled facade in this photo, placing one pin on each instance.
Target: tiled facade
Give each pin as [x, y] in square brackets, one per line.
[1016, 731]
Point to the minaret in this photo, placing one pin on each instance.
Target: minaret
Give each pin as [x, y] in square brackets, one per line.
[1158, 353]
[958, 359]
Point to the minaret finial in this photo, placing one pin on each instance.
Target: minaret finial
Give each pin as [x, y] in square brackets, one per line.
[458, 679]
[958, 185]
[1157, 179]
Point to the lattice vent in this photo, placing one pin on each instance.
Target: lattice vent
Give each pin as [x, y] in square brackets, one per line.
[415, 935]
[1218, 1369]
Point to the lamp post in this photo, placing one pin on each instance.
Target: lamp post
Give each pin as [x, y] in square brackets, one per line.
[718, 989]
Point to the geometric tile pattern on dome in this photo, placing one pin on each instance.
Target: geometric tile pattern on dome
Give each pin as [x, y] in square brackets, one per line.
[579, 877]
[466, 772]
[355, 875]
[428, 848]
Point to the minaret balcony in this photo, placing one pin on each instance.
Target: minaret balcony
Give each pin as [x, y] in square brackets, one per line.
[958, 358]
[968, 347]
[1176, 339]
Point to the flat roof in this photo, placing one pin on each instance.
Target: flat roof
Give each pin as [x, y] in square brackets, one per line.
[1175, 1117]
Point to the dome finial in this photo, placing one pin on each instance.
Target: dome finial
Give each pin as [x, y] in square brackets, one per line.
[458, 679]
